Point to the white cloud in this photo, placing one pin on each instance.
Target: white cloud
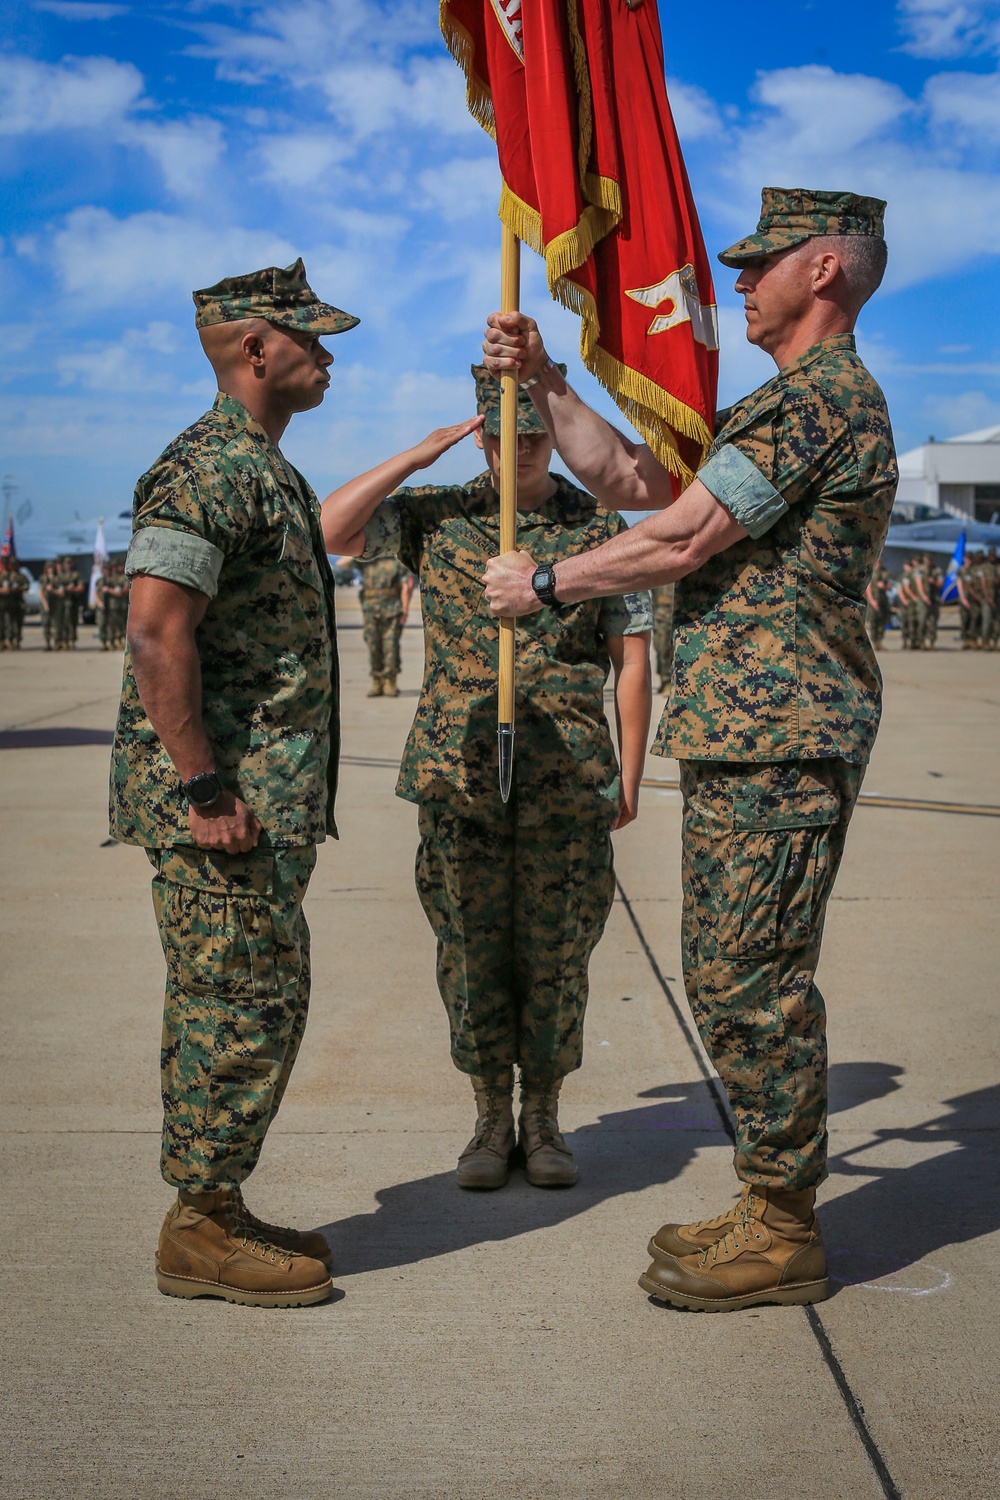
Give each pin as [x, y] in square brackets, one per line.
[969, 411]
[949, 28]
[135, 362]
[101, 262]
[295, 41]
[462, 189]
[967, 105]
[371, 99]
[812, 126]
[79, 93]
[695, 113]
[187, 151]
[301, 159]
[81, 10]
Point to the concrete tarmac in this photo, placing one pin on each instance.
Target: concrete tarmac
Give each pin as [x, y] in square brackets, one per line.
[497, 1347]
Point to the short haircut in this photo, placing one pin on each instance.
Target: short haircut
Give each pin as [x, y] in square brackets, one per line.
[863, 260]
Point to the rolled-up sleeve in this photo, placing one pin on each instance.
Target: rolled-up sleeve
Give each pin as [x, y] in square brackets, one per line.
[178, 556]
[748, 495]
[626, 614]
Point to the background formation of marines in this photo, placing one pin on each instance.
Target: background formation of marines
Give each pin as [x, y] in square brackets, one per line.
[61, 592]
[979, 601]
[13, 587]
[111, 597]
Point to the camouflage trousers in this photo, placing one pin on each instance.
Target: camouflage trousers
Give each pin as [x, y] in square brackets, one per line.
[761, 848]
[382, 635]
[517, 909]
[237, 949]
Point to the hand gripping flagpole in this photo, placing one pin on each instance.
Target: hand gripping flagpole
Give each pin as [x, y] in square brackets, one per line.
[510, 297]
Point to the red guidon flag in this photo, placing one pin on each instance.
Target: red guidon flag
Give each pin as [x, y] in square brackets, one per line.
[573, 93]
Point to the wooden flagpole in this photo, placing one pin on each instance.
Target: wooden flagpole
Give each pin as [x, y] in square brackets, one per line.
[510, 297]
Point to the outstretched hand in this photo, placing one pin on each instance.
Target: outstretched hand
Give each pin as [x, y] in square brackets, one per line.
[508, 584]
[440, 440]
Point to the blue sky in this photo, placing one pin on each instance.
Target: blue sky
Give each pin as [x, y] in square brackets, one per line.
[151, 148]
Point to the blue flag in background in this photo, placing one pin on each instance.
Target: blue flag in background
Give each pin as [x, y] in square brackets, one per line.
[949, 591]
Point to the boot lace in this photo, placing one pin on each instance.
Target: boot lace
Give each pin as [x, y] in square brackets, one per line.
[253, 1242]
[743, 1233]
[744, 1208]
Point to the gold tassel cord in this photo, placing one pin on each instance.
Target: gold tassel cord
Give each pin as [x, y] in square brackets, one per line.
[462, 48]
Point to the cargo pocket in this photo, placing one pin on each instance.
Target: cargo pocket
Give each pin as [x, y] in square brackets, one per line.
[215, 923]
[777, 869]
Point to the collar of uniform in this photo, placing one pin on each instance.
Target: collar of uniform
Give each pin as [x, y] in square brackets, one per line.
[240, 420]
[544, 512]
[825, 346]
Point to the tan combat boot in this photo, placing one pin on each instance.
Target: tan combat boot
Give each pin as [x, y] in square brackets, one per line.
[299, 1241]
[376, 689]
[206, 1250]
[485, 1162]
[390, 689]
[774, 1254]
[548, 1161]
[682, 1239]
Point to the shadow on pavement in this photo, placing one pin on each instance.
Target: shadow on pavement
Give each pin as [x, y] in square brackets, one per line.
[900, 1215]
[906, 1211]
[55, 737]
[624, 1152]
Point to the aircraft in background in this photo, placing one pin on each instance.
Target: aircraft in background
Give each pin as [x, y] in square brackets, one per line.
[936, 532]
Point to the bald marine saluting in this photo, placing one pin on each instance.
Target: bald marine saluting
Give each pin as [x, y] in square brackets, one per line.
[224, 769]
[774, 702]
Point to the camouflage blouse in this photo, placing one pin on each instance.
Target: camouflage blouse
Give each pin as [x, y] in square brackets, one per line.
[564, 759]
[382, 579]
[223, 511]
[772, 659]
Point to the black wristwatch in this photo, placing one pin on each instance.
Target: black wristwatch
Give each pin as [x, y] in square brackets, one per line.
[543, 581]
[202, 790]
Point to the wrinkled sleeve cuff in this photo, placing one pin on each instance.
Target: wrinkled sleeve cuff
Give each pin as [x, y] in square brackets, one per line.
[178, 556]
[749, 498]
[626, 614]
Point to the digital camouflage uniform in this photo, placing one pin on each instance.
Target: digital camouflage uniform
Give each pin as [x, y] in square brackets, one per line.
[969, 609]
[663, 631]
[13, 586]
[222, 511]
[986, 580]
[382, 582]
[774, 707]
[50, 597]
[516, 895]
[934, 584]
[878, 613]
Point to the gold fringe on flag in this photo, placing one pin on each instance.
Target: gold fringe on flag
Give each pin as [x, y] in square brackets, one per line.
[655, 414]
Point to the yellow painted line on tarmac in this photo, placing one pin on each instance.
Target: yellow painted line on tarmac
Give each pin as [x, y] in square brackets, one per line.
[872, 799]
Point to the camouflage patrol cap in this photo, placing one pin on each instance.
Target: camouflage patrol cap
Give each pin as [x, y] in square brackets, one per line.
[282, 297]
[488, 404]
[788, 216]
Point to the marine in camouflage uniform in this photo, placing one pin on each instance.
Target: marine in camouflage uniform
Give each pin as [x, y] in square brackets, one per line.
[50, 596]
[986, 577]
[774, 707]
[518, 894]
[13, 586]
[969, 601]
[879, 608]
[224, 516]
[663, 632]
[385, 595]
[75, 590]
[934, 584]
